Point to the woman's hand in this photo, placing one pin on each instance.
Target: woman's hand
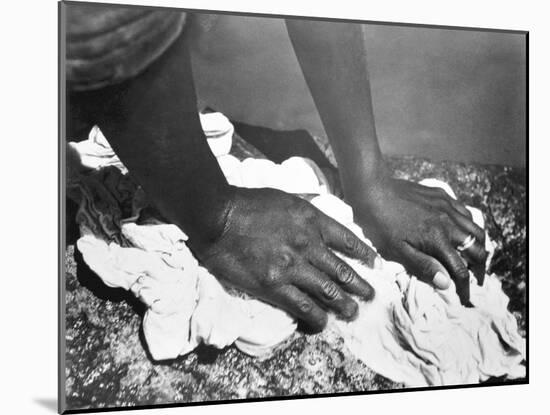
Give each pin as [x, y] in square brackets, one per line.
[421, 227]
[277, 247]
[412, 224]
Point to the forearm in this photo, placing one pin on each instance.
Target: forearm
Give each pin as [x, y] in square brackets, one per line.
[409, 223]
[152, 123]
[333, 59]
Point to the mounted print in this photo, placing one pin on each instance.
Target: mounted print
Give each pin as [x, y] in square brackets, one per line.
[269, 207]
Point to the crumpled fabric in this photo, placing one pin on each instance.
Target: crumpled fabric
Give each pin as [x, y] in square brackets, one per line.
[410, 332]
[420, 336]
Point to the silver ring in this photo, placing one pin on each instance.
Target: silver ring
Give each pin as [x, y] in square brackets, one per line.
[468, 242]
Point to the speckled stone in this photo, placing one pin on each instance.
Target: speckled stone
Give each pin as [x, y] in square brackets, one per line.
[107, 364]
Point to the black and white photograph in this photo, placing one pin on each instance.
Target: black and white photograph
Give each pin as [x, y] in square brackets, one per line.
[262, 207]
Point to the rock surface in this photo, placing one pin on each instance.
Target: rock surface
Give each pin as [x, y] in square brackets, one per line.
[108, 366]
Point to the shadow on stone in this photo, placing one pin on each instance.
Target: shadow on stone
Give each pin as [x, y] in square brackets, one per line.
[207, 354]
[87, 278]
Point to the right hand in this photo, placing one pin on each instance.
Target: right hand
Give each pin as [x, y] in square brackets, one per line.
[278, 248]
[421, 227]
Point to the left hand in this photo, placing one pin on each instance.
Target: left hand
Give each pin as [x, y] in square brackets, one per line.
[278, 248]
[421, 227]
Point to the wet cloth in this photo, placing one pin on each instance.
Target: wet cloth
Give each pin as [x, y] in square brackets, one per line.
[409, 332]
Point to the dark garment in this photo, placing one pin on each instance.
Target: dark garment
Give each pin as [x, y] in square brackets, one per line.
[108, 44]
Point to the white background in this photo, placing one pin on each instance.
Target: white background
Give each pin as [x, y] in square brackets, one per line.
[28, 163]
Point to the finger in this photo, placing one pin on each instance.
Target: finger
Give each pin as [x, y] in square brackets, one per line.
[460, 208]
[301, 306]
[471, 228]
[453, 206]
[474, 255]
[342, 239]
[479, 271]
[439, 193]
[342, 273]
[445, 253]
[425, 267]
[319, 286]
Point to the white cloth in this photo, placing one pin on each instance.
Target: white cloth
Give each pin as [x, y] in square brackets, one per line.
[417, 335]
[409, 332]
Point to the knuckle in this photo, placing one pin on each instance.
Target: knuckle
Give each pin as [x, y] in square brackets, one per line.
[273, 278]
[344, 274]
[284, 261]
[367, 253]
[300, 241]
[305, 306]
[330, 290]
[350, 241]
[325, 256]
[303, 211]
[462, 273]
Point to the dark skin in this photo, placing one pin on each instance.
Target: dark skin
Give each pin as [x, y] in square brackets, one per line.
[409, 223]
[285, 257]
[271, 244]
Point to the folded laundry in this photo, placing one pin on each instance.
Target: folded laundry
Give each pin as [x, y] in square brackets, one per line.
[410, 332]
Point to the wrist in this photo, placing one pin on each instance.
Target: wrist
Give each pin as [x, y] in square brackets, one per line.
[365, 178]
[208, 221]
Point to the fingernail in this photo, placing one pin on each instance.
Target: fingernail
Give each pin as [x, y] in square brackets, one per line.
[351, 311]
[368, 293]
[441, 280]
